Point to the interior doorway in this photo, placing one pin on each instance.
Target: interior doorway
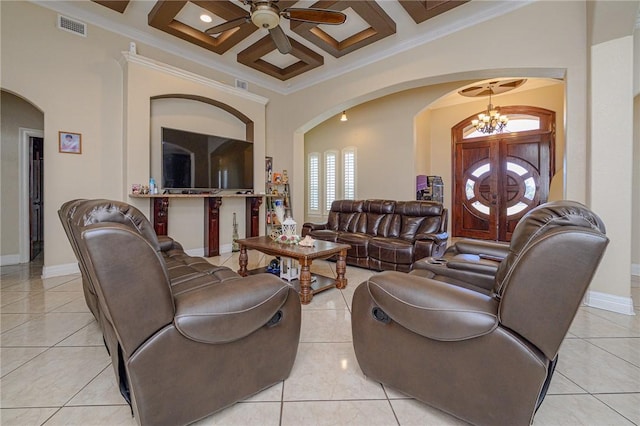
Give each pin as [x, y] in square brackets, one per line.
[31, 195]
[498, 178]
[36, 205]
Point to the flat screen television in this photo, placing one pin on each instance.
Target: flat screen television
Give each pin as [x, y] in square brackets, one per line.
[194, 161]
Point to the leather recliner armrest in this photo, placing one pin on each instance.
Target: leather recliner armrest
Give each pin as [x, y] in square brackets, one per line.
[485, 249]
[437, 238]
[433, 309]
[166, 243]
[228, 311]
[473, 263]
[314, 226]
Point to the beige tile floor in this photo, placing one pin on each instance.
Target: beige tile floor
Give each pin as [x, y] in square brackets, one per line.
[55, 369]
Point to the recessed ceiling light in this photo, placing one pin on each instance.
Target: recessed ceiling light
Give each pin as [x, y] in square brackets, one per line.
[205, 18]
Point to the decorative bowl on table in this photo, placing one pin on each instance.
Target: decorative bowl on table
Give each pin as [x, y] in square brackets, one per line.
[286, 239]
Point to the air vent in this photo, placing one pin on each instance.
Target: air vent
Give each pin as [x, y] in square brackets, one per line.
[71, 25]
[241, 84]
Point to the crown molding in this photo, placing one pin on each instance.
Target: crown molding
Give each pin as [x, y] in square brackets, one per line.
[173, 47]
[189, 76]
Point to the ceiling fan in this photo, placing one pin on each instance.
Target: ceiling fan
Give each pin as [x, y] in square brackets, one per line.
[266, 14]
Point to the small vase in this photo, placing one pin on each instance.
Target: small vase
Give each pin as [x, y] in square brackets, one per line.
[279, 210]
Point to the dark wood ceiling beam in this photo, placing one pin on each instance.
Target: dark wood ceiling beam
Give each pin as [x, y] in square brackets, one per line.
[381, 26]
[117, 5]
[252, 57]
[163, 14]
[422, 10]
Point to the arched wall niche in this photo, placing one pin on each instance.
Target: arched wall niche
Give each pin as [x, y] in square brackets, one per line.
[249, 128]
[146, 81]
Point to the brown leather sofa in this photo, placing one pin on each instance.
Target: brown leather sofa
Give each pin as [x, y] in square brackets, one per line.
[384, 234]
[485, 358]
[187, 338]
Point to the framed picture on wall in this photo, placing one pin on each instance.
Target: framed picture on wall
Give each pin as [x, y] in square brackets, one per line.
[69, 143]
[268, 168]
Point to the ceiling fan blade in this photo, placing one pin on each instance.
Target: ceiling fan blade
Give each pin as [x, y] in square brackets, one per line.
[316, 16]
[228, 25]
[280, 39]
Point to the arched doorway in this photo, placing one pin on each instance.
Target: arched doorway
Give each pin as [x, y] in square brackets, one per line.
[22, 203]
[497, 178]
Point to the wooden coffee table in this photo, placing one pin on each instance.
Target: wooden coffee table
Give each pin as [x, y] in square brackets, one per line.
[304, 256]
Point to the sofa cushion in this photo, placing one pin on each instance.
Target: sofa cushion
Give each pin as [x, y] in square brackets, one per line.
[419, 217]
[358, 243]
[391, 250]
[344, 215]
[379, 206]
[410, 226]
[325, 235]
[430, 225]
[419, 208]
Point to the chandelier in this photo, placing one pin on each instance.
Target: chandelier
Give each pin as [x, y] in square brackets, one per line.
[490, 121]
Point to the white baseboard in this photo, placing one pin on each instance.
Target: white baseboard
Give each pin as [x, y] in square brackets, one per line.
[609, 302]
[9, 259]
[199, 252]
[58, 270]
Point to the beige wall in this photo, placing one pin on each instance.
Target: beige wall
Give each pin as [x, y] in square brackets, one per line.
[635, 214]
[397, 138]
[16, 114]
[382, 130]
[77, 86]
[611, 158]
[78, 83]
[558, 51]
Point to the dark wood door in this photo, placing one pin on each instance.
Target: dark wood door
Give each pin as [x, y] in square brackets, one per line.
[476, 190]
[498, 179]
[36, 220]
[524, 179]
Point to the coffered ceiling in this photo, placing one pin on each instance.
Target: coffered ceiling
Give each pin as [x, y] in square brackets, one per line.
[367, 23]
[373, 30]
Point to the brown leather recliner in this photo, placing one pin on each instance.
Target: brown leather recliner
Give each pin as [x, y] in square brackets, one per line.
[485, 358]
[185, 272]
[182, 350]
[471, 263]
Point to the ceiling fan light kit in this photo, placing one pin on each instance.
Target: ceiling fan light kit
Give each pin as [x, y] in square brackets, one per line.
[264, 16]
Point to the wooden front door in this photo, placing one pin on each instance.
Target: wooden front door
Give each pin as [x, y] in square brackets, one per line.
[499, 178]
